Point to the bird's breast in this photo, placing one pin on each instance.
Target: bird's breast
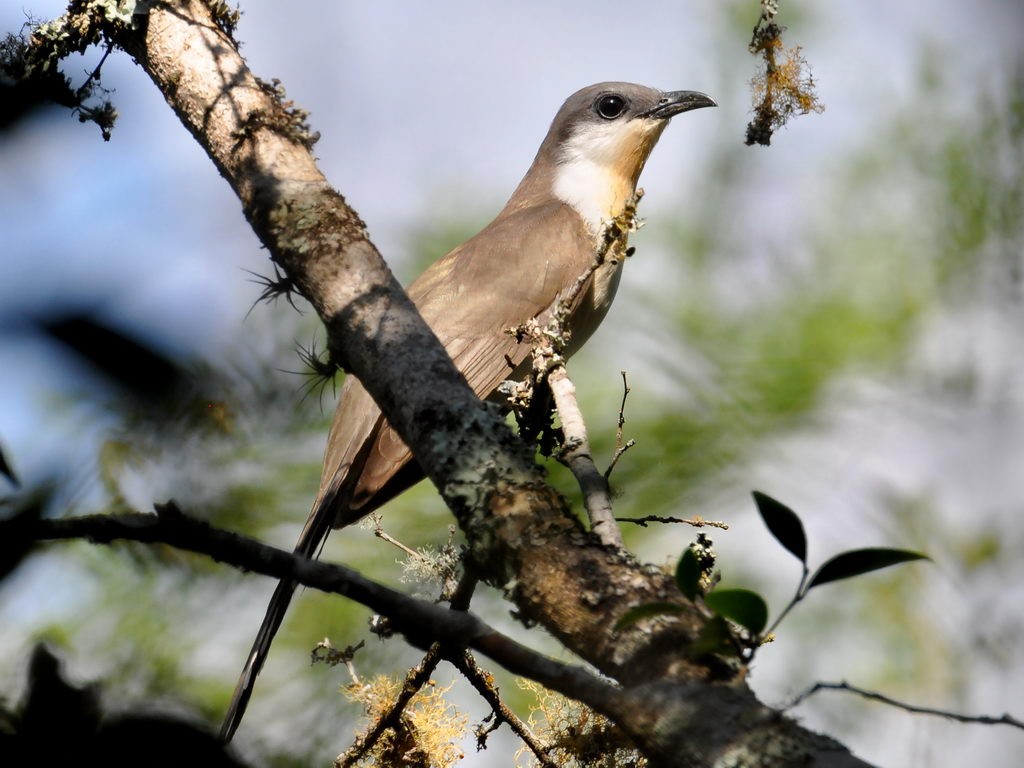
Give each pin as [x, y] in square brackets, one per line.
[606, 283]
[595, 303]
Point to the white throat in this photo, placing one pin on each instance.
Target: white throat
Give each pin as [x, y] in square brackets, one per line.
[598, 167]
[587, 178]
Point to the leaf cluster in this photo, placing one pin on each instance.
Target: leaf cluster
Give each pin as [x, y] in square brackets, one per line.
[747, 610]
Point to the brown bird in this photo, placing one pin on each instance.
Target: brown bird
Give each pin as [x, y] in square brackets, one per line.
[517, 268]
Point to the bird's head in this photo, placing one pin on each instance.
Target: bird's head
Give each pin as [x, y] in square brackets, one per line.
[600, 140]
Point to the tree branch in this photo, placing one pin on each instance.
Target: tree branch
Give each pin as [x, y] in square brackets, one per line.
[576, 455]
[1004, 719]
[420, 621]
[549, 344]
[696, 522]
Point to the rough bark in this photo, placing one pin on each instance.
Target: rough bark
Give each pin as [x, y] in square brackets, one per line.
[522, 536]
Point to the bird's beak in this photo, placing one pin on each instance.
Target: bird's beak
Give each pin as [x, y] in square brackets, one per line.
[674, 102]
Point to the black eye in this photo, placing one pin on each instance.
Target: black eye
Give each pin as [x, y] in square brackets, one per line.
[610, 106]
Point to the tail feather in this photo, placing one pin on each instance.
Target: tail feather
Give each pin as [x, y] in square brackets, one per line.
[310, 541]
[254, 663]
[354, 438]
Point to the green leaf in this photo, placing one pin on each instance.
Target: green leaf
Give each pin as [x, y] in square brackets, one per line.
[746, 608]
[858, 561]
[646, 611]
[688, 574]
[713, 638]
[783, 523]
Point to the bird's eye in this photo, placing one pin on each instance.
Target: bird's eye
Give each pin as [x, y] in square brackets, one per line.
[610, 106]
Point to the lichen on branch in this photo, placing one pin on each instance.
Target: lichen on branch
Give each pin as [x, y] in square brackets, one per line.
[785, 88]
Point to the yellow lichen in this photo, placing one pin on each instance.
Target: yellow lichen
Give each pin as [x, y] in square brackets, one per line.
[427, 732]
[575, 735]
[784, 89]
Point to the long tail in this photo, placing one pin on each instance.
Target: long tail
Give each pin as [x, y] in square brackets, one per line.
[310, 540]
[357, 423]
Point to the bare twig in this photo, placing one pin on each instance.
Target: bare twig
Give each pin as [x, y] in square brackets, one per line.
[611, 247]
[616, 456]
[419, 675]
[324, 652]
[416, 678]
[484, 684]
[622, 412]
[421, 621]
[85, 89]
[577, 456]
[696, 522]
[380, 533]
[463, 592]
[620, 447]
[1004, 719]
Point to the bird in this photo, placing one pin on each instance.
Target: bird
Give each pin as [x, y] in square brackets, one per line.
[518, 267]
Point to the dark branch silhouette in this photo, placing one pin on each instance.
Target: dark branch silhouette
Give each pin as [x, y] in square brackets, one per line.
[1004, 719]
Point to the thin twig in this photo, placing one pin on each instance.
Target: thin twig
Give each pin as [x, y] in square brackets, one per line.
[325, 653]
[620, 447]
[1004, 719]
[484, 684]
[86, 88]
[622, 413]
[696, 522]
[420, 621]
[463, 593]
[380, 533]
[611, 242]
[577, 456]
[415, 679]
[616, 456]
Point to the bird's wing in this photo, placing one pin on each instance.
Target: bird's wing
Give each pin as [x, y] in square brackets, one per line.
[469, 298]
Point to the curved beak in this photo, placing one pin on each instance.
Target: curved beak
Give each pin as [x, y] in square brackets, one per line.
[672, 103]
